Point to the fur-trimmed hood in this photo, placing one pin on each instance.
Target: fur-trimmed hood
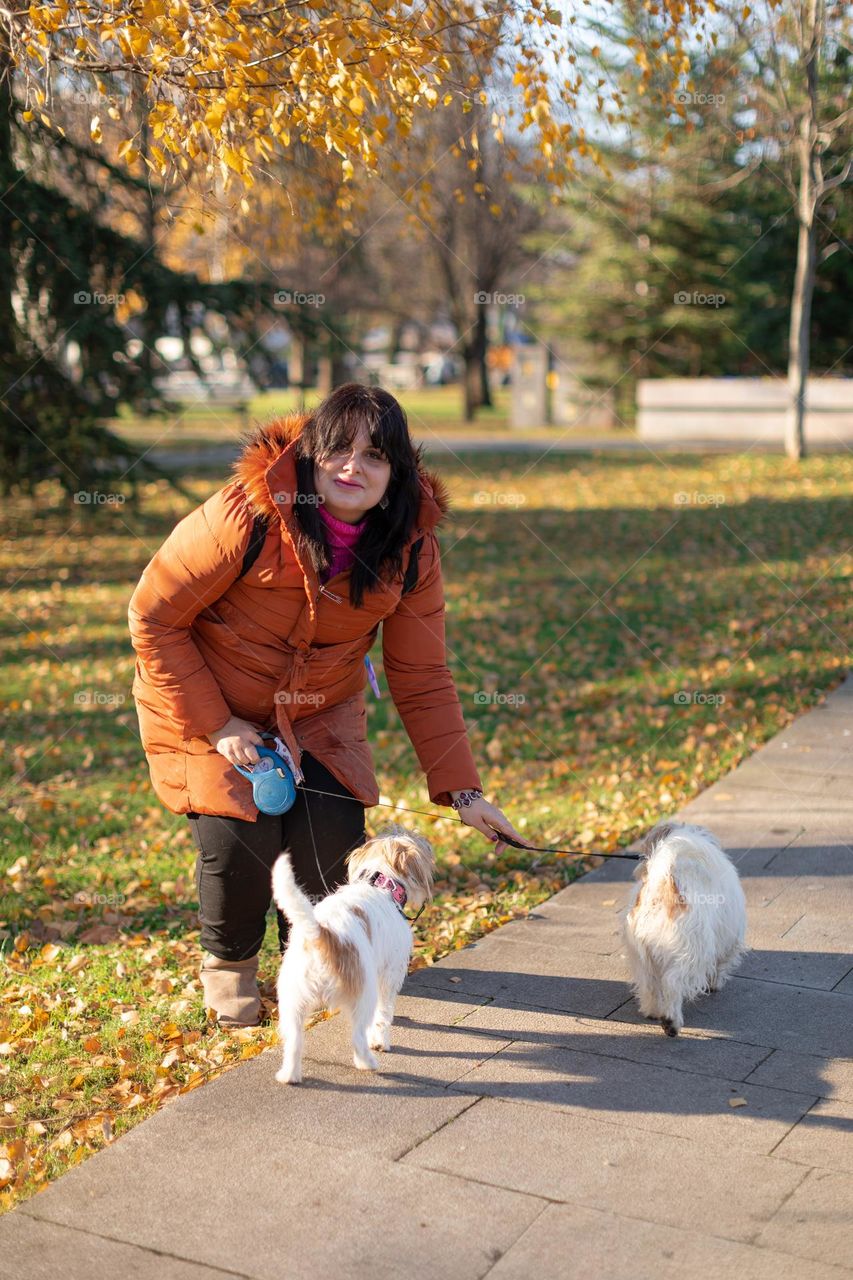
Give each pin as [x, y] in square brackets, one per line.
[267, 467]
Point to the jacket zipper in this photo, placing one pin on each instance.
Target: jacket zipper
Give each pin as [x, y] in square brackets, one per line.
[331, 595]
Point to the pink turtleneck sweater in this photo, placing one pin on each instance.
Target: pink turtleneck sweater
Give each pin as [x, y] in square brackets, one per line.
[342, 539]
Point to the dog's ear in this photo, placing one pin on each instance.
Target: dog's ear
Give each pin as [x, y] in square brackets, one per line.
[411, 858]
[358, 858]
[656, 836]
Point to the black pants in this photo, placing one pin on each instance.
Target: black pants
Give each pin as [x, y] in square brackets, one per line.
[235, 859]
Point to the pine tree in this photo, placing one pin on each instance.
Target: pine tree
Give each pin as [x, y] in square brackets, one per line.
[68, 274]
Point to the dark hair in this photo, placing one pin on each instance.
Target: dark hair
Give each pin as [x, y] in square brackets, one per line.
[332, 426]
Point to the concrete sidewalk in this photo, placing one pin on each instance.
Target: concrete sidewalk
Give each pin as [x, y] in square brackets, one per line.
[528, 1122]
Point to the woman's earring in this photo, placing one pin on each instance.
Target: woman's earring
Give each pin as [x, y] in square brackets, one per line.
[383, 501]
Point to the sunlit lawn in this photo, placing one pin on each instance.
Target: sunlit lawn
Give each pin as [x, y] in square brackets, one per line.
[622, 631]
[431, 411]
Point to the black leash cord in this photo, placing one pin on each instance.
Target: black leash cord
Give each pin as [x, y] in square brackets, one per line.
[572, 853]
[506, 839]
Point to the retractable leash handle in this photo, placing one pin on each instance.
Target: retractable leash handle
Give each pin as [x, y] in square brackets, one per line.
[273, 787]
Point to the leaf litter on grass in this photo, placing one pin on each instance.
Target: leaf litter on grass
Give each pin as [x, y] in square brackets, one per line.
[616, 649]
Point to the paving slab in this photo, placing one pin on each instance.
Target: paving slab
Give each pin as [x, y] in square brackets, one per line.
[816, 1221]
[779, 961]
[528, 1120]
[36, 1250]
[823, 1137]
[807, 1073]
[572, 1242]
[523, 973]
[703, 1053]
[291, 1211]
[663, 1178]
[426, 1046]
[339, 1106]
[815, 861]
[602, 1087]
[774, 1014]
[845, 986]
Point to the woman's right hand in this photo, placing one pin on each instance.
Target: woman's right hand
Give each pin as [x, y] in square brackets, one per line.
[237, 741]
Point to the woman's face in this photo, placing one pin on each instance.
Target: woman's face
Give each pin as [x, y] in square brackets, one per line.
[353, 480]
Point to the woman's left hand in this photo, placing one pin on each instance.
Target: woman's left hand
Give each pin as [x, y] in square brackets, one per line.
[488, 818]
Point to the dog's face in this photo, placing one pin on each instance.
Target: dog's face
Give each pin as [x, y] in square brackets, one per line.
[408, 857]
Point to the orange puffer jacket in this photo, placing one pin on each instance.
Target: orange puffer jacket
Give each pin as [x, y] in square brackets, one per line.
[278, 649]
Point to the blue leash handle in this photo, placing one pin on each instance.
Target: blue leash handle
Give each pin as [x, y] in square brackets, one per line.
[273, 789]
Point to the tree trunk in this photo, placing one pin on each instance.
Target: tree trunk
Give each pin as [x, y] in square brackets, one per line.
[804, 274]
[8, 175]
[798, 349]
[471, 383]
[477, 391]
[148, 238]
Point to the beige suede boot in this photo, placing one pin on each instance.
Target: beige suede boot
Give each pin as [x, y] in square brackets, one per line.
[231, 990]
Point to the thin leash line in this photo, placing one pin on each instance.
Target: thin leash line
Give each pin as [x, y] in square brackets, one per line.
[506, 839]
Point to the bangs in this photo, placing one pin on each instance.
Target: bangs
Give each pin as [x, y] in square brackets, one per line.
[338, 419]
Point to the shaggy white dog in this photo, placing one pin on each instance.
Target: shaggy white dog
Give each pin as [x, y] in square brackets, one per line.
[353, 948]
[685, 924]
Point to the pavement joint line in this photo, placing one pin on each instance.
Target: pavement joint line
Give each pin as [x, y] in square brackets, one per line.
[795, 986]
[806, 1173]
[840, 980]
[131, 1244]
[785, 847]
[766, 1058]
[702, 1143]
[657, 1222]
[701, 1033]
[711, 1144]
[443, 1125]
[620, 1057]
[798, 1121]
[520, 1236]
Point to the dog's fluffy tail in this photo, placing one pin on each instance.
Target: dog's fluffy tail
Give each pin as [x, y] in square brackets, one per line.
[290, 899]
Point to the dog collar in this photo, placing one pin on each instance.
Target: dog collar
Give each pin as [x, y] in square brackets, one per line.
[397, 890]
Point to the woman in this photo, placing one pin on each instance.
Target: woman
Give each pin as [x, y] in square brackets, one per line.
[256, 615]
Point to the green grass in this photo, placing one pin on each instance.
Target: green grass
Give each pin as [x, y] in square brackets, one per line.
[591, 617]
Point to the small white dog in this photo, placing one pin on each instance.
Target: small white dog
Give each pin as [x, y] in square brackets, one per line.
[353, 948]
[685, 924]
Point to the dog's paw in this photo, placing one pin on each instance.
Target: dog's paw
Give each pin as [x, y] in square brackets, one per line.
[367, 1063]
[379, 1038]
[671, 1028]
[289, 1076]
